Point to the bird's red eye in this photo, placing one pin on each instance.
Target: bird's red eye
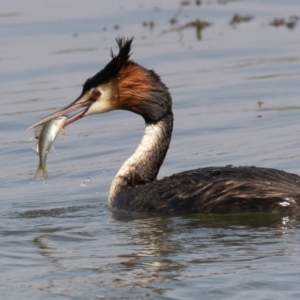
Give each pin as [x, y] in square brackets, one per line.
[95, 94]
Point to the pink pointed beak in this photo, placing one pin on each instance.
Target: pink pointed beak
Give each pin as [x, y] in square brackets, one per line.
[70, 108]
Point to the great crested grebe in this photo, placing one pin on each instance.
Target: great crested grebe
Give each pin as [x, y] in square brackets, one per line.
[123, 84]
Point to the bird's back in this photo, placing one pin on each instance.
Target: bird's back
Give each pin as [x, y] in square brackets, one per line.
[215, 190]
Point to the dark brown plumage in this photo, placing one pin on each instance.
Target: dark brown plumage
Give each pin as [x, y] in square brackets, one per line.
[215, 190]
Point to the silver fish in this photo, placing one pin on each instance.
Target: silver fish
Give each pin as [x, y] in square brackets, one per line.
[46, 138]
[36, 136]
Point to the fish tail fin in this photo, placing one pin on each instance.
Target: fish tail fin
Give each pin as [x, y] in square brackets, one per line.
[45, 174]
[41, 170]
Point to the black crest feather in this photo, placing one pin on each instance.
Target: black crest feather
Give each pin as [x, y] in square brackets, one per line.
[112, 69]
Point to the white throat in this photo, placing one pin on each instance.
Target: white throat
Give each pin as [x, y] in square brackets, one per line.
[144, 164]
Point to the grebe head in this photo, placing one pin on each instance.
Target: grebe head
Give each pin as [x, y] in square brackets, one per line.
[122, 84]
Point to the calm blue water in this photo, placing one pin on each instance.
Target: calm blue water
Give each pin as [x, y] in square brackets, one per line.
[59, 240]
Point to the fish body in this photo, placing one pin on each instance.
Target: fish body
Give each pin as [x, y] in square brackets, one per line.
[45, 140]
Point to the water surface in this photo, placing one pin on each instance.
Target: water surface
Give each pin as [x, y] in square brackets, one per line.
[59, 240]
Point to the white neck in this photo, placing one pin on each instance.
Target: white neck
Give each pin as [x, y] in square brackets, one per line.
[143, 166]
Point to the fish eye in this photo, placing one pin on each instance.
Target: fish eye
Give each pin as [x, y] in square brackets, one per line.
[95, 94]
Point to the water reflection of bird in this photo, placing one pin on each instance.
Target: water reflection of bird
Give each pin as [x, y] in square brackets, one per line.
[123, 84]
